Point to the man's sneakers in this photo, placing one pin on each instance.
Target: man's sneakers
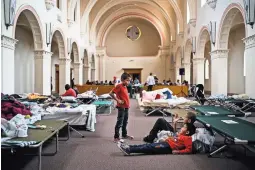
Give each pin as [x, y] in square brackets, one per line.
[128, 137]
[124, 148]
[147, 139]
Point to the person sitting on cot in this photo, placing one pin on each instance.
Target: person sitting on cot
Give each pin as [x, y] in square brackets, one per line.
[179, 144]
[162, 124]
[69, 91]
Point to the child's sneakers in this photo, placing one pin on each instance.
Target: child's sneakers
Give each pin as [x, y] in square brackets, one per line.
[128, 137]
[124, 148]
[118, 140]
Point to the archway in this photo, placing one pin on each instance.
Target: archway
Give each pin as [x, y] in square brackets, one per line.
[76, 65]
[187, 61]
[207, 72]
[231, 33]
[178, 64]
[28, 33]
[58, 50]
[85, 67]
[93, 68]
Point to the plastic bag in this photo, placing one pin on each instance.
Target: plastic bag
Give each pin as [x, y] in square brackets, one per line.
[16, 127]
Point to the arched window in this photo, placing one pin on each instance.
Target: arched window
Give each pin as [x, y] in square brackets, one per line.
[57, 4]
[207, 74]
[188, 12]
[75, 13]
[203, 2]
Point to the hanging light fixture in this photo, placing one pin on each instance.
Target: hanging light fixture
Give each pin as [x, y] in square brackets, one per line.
[69, 45]
[48, 33]
[9, 12]
[193, 45]
[249, 7]
[212, 31]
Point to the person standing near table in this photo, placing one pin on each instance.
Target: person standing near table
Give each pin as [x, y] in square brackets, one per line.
[150, 82]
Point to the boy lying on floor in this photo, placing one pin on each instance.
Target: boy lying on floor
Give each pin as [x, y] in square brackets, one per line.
[162, 125]
[179, 144]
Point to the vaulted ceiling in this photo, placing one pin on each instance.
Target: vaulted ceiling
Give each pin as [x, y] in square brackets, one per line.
[166, 15]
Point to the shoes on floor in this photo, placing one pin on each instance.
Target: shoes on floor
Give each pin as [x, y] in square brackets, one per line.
[128, 137]
[147, 140]
[118, 140]
[124, 148]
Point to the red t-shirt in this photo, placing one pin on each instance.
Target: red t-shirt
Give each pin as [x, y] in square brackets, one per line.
[181, 143]
[70, 92]
[121, 93]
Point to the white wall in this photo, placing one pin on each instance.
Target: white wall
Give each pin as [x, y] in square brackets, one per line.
[24, 62]
[236, 79]
[119, 45]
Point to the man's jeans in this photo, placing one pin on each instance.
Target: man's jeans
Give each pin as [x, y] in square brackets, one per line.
[122, 121]
[160, 124]
[152, 148]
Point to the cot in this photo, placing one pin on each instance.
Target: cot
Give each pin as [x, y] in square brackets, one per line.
[103, 104]
[39, 137]
[234, 130]
[156, 107]
[208, 110]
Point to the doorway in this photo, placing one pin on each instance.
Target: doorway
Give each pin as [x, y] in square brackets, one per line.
[134, 73]
[56, 78]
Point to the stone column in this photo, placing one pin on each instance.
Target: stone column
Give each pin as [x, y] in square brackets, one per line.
[77, 73]
[85, 73]
[7, 65]
[93, 74]
[177, 73]
[219, 72]
[187, 71]
[42, 72]
[64, 73]
[164, 53]
[199, 71]
[249, 65]
[101, 68]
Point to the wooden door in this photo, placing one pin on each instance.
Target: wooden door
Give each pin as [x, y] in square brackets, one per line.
[134, 72]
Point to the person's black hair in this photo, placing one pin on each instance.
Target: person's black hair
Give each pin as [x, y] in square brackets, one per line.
[150, 74]
[125, 76]
[191, 116]
[190, 128]
[67, 87]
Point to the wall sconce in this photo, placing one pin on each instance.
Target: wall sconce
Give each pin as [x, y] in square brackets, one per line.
[69, 45]
[212, 31]
[9, 12]
[193, 39]
[249, 7]
[48, 33]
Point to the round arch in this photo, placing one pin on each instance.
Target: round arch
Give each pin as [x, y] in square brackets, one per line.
[34, 23]
[75, 50]
[204, 37]
[188, 50]
[59, 36]
[104, 30]
[109, 5]
[232, 12]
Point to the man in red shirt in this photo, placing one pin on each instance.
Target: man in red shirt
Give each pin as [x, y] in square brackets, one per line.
[69, 91]
[123, 105]
[180, 144]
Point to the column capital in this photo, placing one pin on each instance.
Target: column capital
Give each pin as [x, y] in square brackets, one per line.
[198, 60]
[100, 51]
[193, 22]
[164, 50]
[86, 66]
[8, 42]
[64, 61]
[77, 65]
[249, 41]
[41, 54]
[220, 53]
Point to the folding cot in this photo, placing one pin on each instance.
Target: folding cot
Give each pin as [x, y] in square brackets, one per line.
[234, 130]
[156, 107]
[103, 104]
[38, 138]
[209, 110]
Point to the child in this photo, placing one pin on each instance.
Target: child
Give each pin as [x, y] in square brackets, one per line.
[181, 144]
[122, 100]
[162, 124]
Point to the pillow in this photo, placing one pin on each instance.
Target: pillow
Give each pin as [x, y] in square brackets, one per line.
[68, 99]
[157, 96]
[149, 95]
